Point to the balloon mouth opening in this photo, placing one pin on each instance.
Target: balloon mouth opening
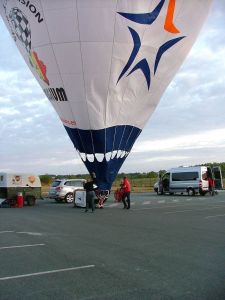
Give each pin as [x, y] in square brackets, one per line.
[100, 157]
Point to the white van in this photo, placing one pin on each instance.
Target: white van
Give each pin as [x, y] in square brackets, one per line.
[191, 180]
[27, 184]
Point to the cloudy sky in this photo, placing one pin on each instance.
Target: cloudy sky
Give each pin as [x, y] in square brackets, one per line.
[188, 126]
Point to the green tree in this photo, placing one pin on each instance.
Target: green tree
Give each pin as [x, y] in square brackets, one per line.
[46, 179]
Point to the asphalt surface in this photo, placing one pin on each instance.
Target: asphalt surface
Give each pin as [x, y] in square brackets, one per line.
[164, 247]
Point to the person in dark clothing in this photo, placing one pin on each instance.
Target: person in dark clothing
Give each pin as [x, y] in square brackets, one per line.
[90, 188]
[160, 185]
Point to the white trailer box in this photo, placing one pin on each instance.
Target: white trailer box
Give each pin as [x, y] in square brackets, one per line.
[13, 183]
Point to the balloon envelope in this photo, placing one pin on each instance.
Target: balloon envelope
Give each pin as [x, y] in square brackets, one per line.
[103, 65]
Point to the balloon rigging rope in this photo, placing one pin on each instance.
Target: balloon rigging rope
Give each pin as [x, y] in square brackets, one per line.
[114, 138]
[122, 137]
[129, 138]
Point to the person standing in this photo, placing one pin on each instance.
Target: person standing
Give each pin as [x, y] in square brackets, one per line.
[126, 192]
[160, 185]
[90, 188]
[211, 186]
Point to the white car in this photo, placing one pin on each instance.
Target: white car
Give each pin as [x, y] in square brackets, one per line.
[63, 189]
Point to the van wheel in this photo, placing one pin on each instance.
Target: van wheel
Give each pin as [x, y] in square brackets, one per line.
[30, 200]
[160, 192]
[191, 192]
[69, 198]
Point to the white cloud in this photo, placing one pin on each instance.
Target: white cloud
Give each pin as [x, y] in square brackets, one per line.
[202, 140]
[8, 111]
[167, 158]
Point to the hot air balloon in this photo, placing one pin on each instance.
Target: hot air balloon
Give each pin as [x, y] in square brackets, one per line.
[104, 65]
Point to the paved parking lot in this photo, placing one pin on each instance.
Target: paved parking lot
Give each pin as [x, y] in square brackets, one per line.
[165, 247]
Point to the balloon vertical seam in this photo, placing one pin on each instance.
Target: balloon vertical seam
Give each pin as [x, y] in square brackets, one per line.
[50, 44]
[82, 62]
[110, 72]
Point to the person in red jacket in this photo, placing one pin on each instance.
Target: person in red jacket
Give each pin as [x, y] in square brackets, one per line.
[126, 192]
[211, 186]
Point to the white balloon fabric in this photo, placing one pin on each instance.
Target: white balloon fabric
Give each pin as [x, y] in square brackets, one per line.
[103, 65]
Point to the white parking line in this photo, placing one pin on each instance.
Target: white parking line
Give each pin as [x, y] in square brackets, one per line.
[181, 211]
[6, 231]
[178, 211]
[154, 207]
[146, 202]
[215, 216]
[113, 205]
[21, 246]
[29, 233]
[46, 272]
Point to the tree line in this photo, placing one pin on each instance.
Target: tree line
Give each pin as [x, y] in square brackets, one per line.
[47, 179]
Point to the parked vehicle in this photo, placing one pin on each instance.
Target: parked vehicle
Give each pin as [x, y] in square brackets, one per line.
[63, 189]
[191, 180]
[27, 184]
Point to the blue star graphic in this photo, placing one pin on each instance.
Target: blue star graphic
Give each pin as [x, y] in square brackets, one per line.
[145, 19]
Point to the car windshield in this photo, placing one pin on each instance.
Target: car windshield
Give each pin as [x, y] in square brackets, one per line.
[55, 183]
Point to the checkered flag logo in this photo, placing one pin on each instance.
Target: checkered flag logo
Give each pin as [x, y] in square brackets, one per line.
[21, 27]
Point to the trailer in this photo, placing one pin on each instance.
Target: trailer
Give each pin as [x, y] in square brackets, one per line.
[12, 184]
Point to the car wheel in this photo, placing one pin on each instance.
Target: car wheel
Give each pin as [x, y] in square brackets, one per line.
[69, 198]
[191, 192]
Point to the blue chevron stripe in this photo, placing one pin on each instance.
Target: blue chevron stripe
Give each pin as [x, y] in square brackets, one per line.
[163, 49]
[146, 18]
[144, 67]
[137, 45]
